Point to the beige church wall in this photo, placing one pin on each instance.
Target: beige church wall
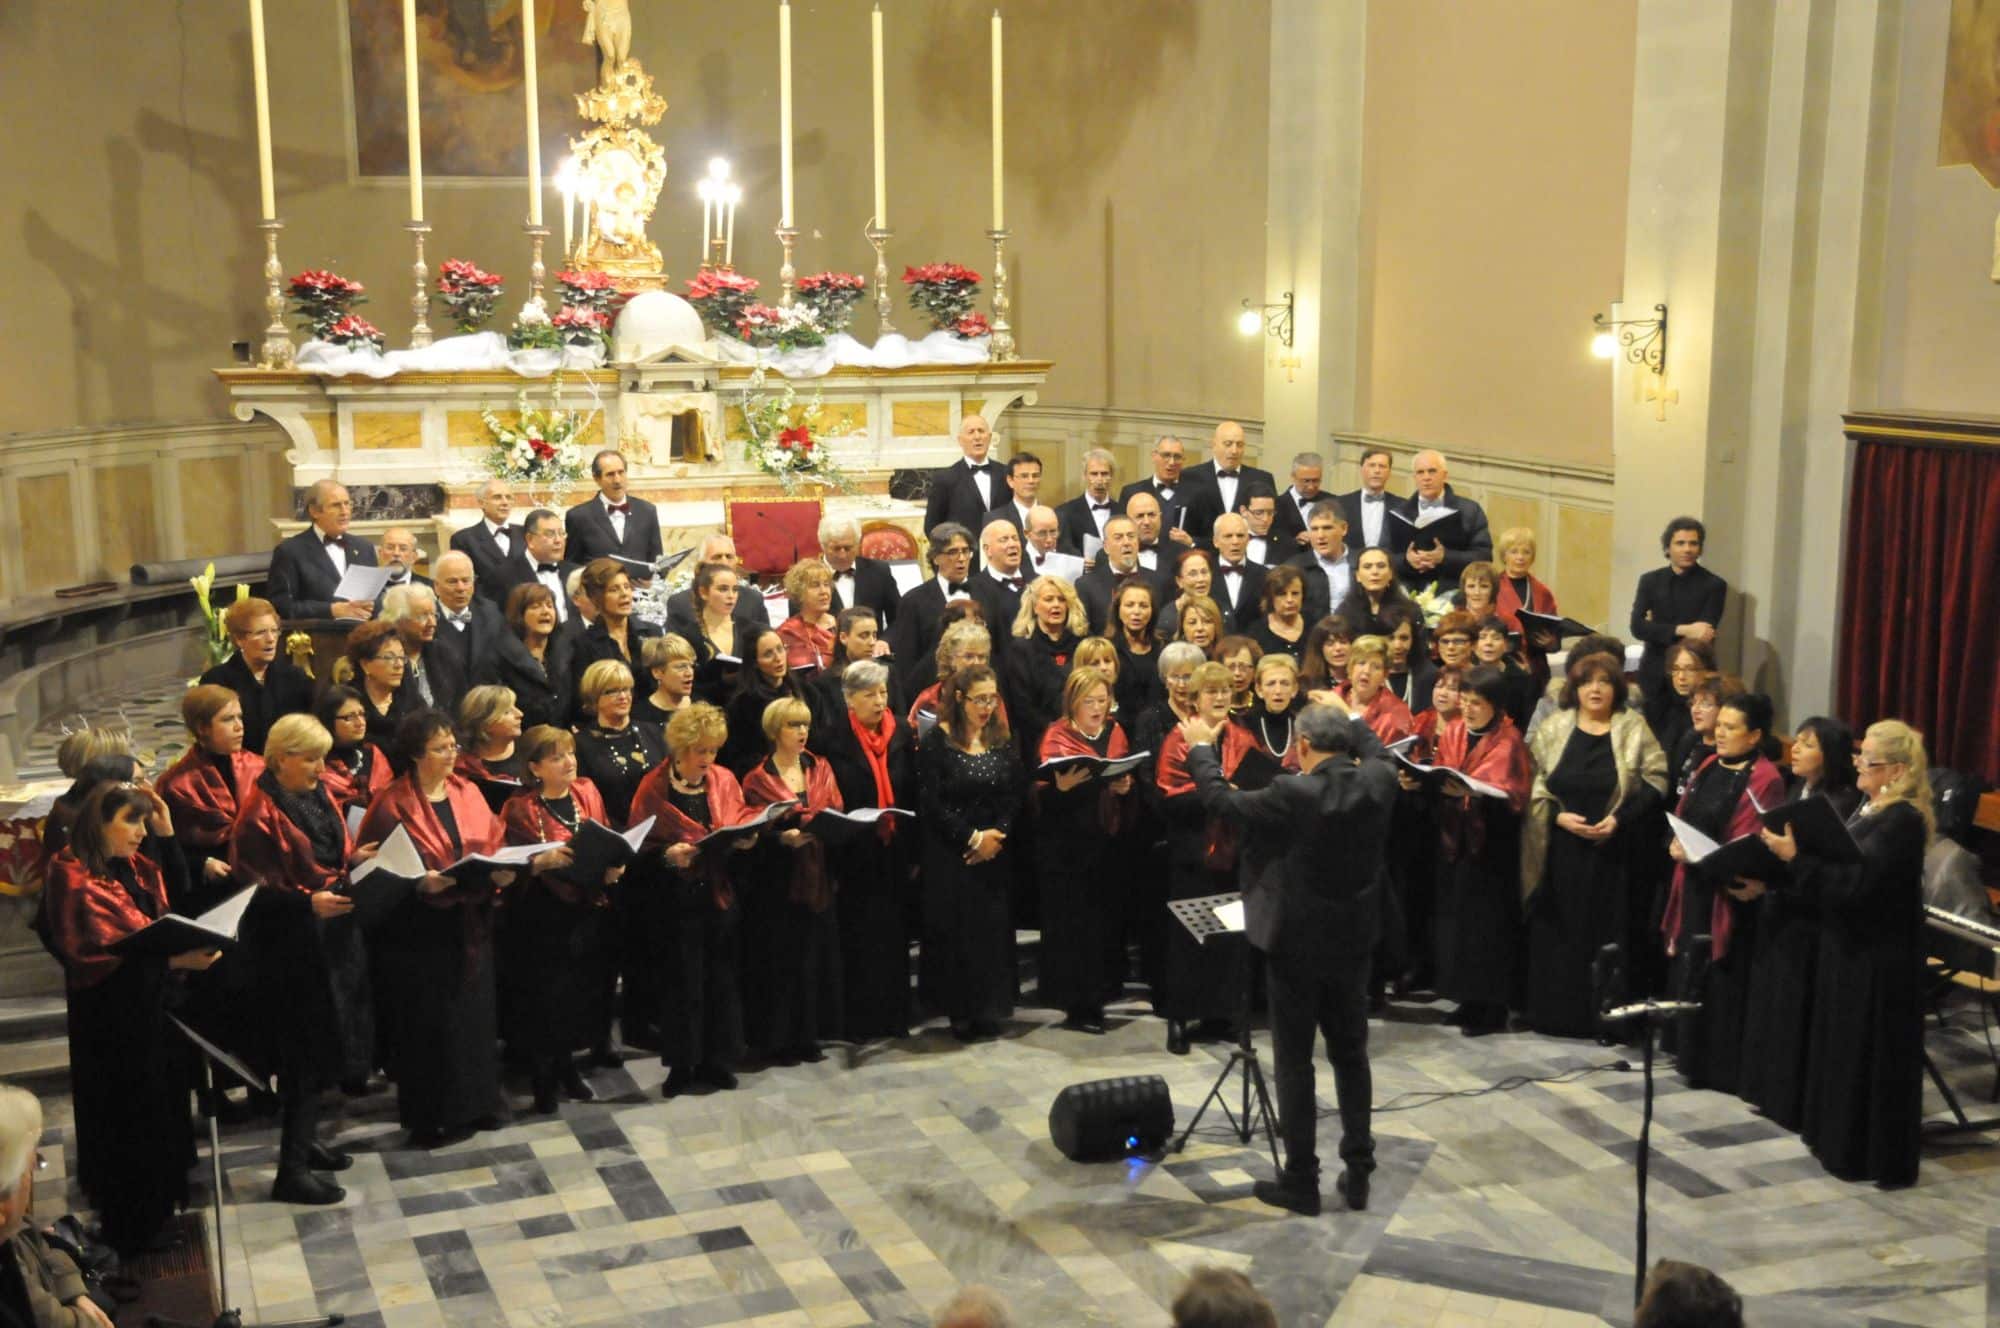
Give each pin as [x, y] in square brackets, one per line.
[1496, 147]
[1135, 170]
[1938, 327]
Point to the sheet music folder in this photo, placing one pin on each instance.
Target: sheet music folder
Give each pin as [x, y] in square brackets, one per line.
[1210, 915]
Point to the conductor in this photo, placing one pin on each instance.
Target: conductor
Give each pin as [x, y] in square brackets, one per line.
[1311, 869]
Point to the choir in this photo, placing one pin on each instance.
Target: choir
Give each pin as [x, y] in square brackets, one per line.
[810, 798]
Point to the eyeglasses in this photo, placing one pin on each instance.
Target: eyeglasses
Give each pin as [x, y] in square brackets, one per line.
[615, 691]
[398, 660]
[982, 701]
[1864, 763]
[447, 749]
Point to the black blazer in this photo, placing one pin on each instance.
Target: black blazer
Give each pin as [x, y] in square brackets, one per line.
[597, 644]
[1094, 588]
[523, 573]
[303, 577]
[449, 658]
[843, 755]
[999, 603]
[1204, 495]
[1074, 521]
[914, 636]
[874, 588]
[955, 497]
[1394, 533]
[1172, 509]
[286, 690]
[494, 573]
[1007, 512]
[590, 534]
[415, 580]
[1288, 524]
[541, 689]
[1244, 610]
[1665, 599]
[1312, 866]
[1468, 541]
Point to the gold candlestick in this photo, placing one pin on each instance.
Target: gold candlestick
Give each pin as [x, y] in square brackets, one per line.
[278, 352]
[1003, 331]
[879, 236]
[420, 298]
[787, 274]
[537, 274]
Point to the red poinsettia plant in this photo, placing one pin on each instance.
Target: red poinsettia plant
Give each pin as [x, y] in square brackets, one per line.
[786, 329]
[720, 297]
[972, 325]
[798, 439]
[832, 297]
[469, 292]
[593, 290]
[942, 292]
[580, 326]
[320, 298]
[354, 332]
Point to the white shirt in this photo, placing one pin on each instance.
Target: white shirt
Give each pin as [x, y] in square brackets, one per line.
[982, 478]
[1228, 485]
[1338, 578]
[1149, 559]
[843, 586]
[553, 580]
[617, 519]
[1300, 501]
[1258, 550]
[1374, 516]
[336, 551]
[1004, 578]
[461, 619]
[1099, 512]
[501, 536]
[1232, 588]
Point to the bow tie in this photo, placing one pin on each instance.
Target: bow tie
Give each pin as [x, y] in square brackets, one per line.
[402, 580]
[331, 541]
[622, 509]
[1013, 583]
[1371, 497]
[953, 588]
[463, 619]
[544, 569]
[1227, 474]
[1232, 569]
[1100, 507]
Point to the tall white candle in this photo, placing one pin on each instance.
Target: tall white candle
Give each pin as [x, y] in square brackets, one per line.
[532, 81]
[415, 123]
[729, 239]
[999, 212]
[267, 193]
[881, 138]
[784, 116]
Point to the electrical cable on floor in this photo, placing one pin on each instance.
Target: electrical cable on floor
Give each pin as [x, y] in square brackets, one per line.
[1425, 1098]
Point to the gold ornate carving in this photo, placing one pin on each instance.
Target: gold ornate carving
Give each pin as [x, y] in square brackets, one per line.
[621, 170]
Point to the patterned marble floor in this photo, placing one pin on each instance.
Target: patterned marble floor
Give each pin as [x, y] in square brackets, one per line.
[865, 1189]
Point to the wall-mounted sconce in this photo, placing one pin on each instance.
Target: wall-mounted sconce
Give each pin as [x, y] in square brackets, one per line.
[1644, 340]
[1275, 319]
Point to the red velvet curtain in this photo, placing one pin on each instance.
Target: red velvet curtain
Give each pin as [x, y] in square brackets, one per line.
[1920, 605]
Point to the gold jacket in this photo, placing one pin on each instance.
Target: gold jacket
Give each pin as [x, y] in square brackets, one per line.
[1633, 747]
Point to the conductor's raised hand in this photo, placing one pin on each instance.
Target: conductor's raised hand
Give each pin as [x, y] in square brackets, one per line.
[1196, 731]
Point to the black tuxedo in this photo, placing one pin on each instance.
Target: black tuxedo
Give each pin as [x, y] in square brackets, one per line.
[999, 603]
[1172, 510]
[286, 690]
[1313, 872]
[1204, 494]
[1007, 512]
[303, 577]
[1074, 521]
[913, 637]
[874, 588]
[1095, 587]
[1273, 552]
[523, 574]
[955, 497]
[1319, 595]
[450, 657]
[1246, 610]
[412, 580]
[591, 536]
[1465, 540]
[495, 573]
[1394, 533]
[1289, 522]
[1662, 601]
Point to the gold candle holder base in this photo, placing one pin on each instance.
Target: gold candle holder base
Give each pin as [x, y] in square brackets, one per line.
[788, 276]
[420, 297]
[537, 274]
[1003, 331]
[879, 237]
[278, 351]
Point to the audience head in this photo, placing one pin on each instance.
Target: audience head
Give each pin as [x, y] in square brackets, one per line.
[1493, 641]
[424, 745]
[1260, 509]
[1239, 654]
[1212, 691]
[695, 735]
[1446, 691]
[719, 548]
[1169, 455]
[252, 625]
[669, 660]
[453, 576]
[1121, 543]
[20, 1133]
[950, 550]
[1308, 474]
[1375, 467]
[787, 722]
[343, 714]
[809, 585]
[378, 655]
[1516, 551]
[1741, 724]
[1049, 604]
[855, 631]
[864, 685]
[545, 535]
[1683, 1295]
[1706, 700]
[974, 1307]
[975, 438]
[609, 588]
[608, 469]
[1225, 448]
[839, 541]
[1823, 754]
[1480, 587]
[80, 748]
[1682, 542]
[413, 609]
[1367, 668]
[1284, 592]
[1688, 662]
[1326, 530]
[214, 717]
[295, 752]
[963, 645]
[1223, 1297]
[606, 692]
[1044, 529]
[328, 507]
[1372, 571]
[969, 707]
[1135, 611]
[1892, 767]
[1231, 534]
[715, 589]
[1178, 661]
[1086, 700]
[579, 599]
[1277, 681]
[1427, 470]
[1403, 624]
[1144, 510]
[1000, 546]
[111, 826]
[1194, 571]
[488, 717]
[1201, 621]
[398, 548]
[548, 754]
[1482, 697]
[531, 610]
[767, 657]
[1024, 477]
[496, 500]
[1096, 652]
[1594, 684]
[1323, 660]
[1098, 468]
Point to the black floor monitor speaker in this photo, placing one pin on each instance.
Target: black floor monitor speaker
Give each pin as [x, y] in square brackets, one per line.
[1112, 1118]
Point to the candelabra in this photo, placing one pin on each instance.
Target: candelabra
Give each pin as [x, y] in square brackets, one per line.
[879, 237]
[278, 352]
[536, 272]
[420, 298]
[787, 274]
[1003, 331]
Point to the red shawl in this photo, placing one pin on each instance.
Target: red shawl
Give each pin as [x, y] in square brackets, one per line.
[1499, 758]
[1766, 788]
[1507, 605]
[807, 645]
[94, 911]
[526, 819]
[874, 745]
[811, 884]
[1389, 716]
[403, 803]
[340, 786]
[267, 849]
[1425, 725]
[1170, 772]
[1062, 739]
[203, 802]
[672, 826]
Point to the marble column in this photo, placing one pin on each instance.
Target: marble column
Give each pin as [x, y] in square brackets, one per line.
[1757, 168]
[1313, 212]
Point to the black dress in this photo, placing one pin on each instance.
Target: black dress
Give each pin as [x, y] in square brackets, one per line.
[746, 744]
[1864, 1084]
[1197, 981]
[1138, 688]
[285, 690]
[616, 760]
[542, 688]
[968, 926]
[876, 877]
[1782, 967]
[1036, 669]
[1273, 644]
[1080, 899]
[700, 1001]
[555, 999]
[1478, 904]
[1708, 1044]
[1581, 904]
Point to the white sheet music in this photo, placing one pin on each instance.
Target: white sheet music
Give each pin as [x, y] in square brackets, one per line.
[398, 856]
[1065, 565]
[1092, 546]
[361, 583]
[1231, 915]
[907, 573]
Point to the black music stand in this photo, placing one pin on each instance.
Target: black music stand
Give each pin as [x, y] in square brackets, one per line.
[1199, 917]
[230, 1317]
